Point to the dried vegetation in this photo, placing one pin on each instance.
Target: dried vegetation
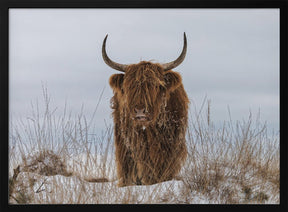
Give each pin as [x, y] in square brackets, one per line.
[58, 160]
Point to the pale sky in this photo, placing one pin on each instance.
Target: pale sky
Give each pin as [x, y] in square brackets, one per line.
[232, 57]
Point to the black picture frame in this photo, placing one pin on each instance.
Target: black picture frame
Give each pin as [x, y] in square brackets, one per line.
[6, 5]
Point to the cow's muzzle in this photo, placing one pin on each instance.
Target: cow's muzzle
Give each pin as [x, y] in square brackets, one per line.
[141, 115]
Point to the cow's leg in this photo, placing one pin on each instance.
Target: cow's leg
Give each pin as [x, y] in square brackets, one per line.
[125, 164]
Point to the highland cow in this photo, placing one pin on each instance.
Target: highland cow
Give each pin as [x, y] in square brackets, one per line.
[150, 111]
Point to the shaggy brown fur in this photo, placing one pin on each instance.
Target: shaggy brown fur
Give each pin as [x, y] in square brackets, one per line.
[154, 150]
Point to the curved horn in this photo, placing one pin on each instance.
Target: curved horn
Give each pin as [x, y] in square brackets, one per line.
[108, 61]
[179, 60]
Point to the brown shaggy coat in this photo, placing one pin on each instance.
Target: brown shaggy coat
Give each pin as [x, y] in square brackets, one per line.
[154, 151]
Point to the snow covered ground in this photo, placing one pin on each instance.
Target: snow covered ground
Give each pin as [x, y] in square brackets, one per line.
[98, 185]
[68, 190]
[88, 181]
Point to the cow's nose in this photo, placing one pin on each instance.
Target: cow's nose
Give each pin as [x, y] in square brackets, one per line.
[139, 111]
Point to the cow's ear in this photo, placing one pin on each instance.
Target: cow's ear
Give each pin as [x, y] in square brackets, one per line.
[116, 81]
[172, 80]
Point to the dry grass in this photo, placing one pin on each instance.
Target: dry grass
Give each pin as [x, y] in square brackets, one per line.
[58, 160]
[235, 163]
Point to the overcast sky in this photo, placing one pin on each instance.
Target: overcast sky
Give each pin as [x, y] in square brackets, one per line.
[232, 57]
